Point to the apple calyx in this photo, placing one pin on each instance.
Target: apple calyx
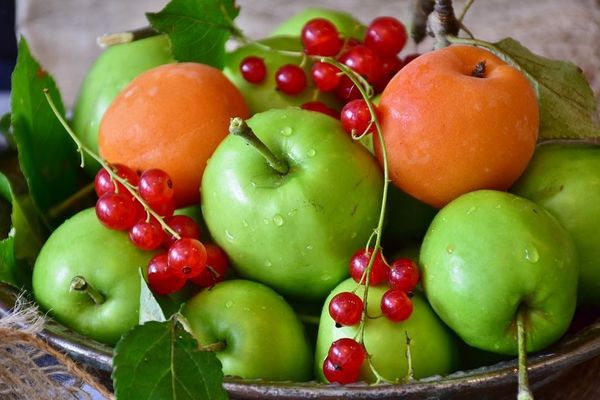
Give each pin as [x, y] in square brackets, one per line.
[80, 284]
[479, 70]
[524, 392]
[238, 127]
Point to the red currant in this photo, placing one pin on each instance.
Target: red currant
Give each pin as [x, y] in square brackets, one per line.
[165, 209]
[408, 58]
[346, 90]
[325, 76]
[253, 69]
[320, 37]
[290, 79]
[216, 267]
[356, 118]
[348, 353]
[156, 187]
[335, 373]
[404, 274]
[320, 107]
[161, 278]
[386, 35]
[187, 256]
[117, 210]
[104, 184]
[359, 263]
[345, 308]
[389, 66]
[396, 305]
[185, 227]
[147, 235]
[363, 61]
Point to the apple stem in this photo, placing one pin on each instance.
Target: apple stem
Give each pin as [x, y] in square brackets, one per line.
[79, 284]
[410, 374]
[479, 70]
[524, 392]
[217, 346]
[112, 39]
[239, 127]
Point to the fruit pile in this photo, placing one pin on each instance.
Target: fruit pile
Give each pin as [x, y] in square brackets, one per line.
[260, 198]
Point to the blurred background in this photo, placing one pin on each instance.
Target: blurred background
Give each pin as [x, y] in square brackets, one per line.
[62, 33]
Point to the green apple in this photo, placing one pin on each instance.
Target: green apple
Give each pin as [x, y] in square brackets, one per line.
[262, 336]
[347, 25]
[565, 179]
[109, 74]
[264, 96]
[107, 261]
[490, 258]
[294, 231]
[433, 347]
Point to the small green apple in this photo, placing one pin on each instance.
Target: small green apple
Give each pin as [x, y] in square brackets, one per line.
[433, 347]
[109, 74]
[293, 231]
[347, 25]
[264, 96]
[262, 336]
[565, 179]
[491, 257]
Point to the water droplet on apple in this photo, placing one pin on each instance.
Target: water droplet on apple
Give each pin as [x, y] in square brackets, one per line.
[471, 210]
[277, 219]
[353, 235]
[325, 277]
[286, 131]
[229, 235]
[292, 212]
[309, 247]
[450, 249]
[263, 308]
[266, 221]
[311, 153]
[531, 254]
[228, 304]
[268, 263]
[245, 223]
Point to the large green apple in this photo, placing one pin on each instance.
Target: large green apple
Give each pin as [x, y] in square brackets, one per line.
[262, 336]
[109, 74]
[565, 179]
[294, 231]
[489, 256]
[433, 347]
[264, 96]
[347, 25]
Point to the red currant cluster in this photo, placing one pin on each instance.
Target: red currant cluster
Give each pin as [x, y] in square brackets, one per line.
[185, 258]
[346, 308]
[376, 59]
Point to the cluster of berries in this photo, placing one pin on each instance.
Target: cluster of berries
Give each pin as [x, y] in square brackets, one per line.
[376, 59]
[185, 257]
[346, 356]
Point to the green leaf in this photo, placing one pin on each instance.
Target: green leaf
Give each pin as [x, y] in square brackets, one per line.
[5, 124]
[149, 308]
[198, 29]
[47, 156]
[568, 108]
[160, 360]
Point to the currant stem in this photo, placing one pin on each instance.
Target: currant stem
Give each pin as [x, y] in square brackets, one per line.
[524, 392]
[81, 148]
[239, 127]
[79, 284]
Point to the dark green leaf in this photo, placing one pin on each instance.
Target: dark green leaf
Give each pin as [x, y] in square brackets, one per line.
[149, 308]
[47, 155]
[5, 124]
[568, 108]
[160, 360]
[198, 29]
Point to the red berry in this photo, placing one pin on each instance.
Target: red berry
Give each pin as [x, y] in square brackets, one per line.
[348, 353]
[356, 118]
[147, 235]
[117, 210]
[346, 90]
[216, 267]
[156, 187]
[408, 58]
[188, 257]
[396, 305]
[161, 278]
[253, 69]
[104, 184]
[359, 263]
[325, 76]
[185, 226]
[363, 61]
[164, 209]
[320, 107]
[290, 79]
[335, 373]
[404, 274]
[346, 308]
[320, 37]
[386, 35]
[389, 66]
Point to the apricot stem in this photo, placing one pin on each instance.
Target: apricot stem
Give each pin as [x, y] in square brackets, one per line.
[239, 127]
[524, 392]
[79, 284]
[479, 70]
